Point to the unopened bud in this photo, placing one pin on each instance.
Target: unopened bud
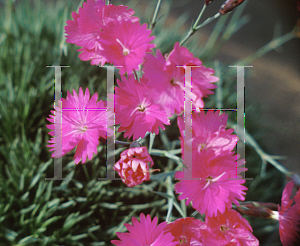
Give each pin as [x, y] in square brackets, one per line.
[208, 2]
[229, 5]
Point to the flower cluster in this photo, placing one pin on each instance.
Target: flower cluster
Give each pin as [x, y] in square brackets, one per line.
[165, 77]
[216, 180]
[214, 164]
[228, 229]
[111, 34]
[143, 106]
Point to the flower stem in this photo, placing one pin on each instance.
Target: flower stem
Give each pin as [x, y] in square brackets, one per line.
[106, 2]
[267, 48]
[209, 20]
[193, 28]
[122, 143]
[264, 156]
[154, 18]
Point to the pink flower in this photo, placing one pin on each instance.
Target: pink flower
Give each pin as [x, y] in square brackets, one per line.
[83, 123]
[229, 228]
[144, 233]
[135, 112]
[125, 44]
[133, 166]
[185, 231]
[288, 216]
[168, 83]
[217, 186]
[208, 132]
[87, 27]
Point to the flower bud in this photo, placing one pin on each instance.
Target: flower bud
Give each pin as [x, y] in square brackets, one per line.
[133, 166]
[229, 5]
[208, 2]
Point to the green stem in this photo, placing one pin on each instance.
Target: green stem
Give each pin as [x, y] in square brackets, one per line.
[106, 2]
[264, 156]
[193, 28]
[209, 20]
[267, 48]
[154, 18]
[122, 143]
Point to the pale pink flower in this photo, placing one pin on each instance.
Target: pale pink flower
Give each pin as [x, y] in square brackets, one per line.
[133, 166]
[229, 228]
[185, 231]
[208, 132]
[219, 182]
[87, 27]
[125, 44]
[288, 216]
[134, 111]
[144, 233]
[83, 123]
[168, 83]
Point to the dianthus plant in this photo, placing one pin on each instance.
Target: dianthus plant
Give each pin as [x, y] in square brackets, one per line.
[149, 95]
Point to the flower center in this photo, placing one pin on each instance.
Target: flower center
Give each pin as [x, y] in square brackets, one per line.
[83, 129]
[143, 105]
[174, 82]
[201, 147]
[182, 240]
[223, 228]
[142, 108]
[125, 50]
[210, 179]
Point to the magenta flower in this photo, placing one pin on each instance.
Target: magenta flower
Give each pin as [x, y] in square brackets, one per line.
[144, 233]
[219, 182]
[134, 111]
[133, 166]
[87, 27]
[168, 83]
[288, 216]
[229, 228]
[83, 123]
[208, 133]
[186, 231]
[125, 44]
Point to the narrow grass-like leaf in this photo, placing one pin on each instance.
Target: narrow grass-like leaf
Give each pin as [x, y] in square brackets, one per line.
[51, 220]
